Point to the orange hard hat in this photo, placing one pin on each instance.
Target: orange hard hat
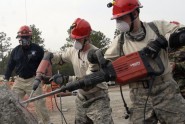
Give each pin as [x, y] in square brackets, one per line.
[80, 29]
[24, 31]
[124, 7]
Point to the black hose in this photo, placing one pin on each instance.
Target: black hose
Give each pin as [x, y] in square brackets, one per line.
[58, 107]
[125, 104]
[149, 93]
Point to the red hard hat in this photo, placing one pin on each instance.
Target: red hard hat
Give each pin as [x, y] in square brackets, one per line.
[123, 7]
[80, 29]
[24, 31]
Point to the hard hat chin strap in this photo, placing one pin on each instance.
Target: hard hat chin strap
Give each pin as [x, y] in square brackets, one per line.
[132, 22]
[132, 17]
[84, 43]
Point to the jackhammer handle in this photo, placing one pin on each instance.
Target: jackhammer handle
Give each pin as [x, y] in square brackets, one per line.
[97, 57]
[92, 57]
[157, 60]
[160, 65]
[100, 56]
[36, 84]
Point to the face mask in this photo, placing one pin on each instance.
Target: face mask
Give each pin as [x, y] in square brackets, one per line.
[77, 45]
[24, 42]
[122, 26]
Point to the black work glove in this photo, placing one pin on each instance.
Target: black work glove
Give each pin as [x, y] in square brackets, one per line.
[60, 79]
[38, 79]
[153, 48]
[36, 84]
[177, 39]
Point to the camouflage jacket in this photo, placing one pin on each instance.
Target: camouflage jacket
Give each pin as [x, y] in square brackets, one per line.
[178, 58]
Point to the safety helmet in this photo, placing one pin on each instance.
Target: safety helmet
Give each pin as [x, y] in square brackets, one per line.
[80, 29]
[124, 7]
[24, 31]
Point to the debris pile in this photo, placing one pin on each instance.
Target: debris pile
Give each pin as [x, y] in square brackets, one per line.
[11, 111]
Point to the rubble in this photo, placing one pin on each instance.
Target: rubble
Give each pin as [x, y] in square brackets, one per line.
[11, 111]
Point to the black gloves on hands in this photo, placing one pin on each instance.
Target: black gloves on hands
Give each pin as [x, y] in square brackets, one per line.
[153, 48]
[177, 38]
[60, 79]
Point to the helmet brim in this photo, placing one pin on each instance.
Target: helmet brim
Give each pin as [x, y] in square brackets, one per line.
[124, 13]
[18, 36]
[77, 37]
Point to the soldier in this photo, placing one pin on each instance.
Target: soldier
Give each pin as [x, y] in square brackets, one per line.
[178, 67]
[92, 104]
[164, 103]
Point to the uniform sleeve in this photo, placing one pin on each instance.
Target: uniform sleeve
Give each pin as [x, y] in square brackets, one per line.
[10, 66]
[113, 51]
[166, 28]
[63, 57]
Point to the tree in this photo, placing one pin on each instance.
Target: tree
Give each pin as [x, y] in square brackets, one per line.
[4, 51]
[4, 42]
[99, 39]
[36, 36]
[69, 42]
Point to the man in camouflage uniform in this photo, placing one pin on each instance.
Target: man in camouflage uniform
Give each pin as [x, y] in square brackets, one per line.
[165, 103]
[178, 65]
[92, 104]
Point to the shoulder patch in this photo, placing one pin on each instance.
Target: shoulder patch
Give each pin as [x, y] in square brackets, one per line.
[175, 22]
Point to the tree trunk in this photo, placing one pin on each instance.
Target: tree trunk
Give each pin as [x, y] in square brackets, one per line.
[11, 111]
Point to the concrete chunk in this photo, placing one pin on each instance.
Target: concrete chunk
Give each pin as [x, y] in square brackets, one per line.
[11, 111]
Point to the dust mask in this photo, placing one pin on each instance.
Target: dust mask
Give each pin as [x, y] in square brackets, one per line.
[77, 45]
[122, 26]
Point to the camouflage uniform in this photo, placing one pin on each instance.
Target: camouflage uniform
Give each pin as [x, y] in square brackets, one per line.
[92, 104]
[178, 58]
[165, 103]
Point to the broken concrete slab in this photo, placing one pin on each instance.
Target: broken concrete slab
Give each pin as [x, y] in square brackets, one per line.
[11, 111]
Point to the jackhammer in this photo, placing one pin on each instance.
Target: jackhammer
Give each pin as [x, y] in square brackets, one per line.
[43, 73]
[123, 70]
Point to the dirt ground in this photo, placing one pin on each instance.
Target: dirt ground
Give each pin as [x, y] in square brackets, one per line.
[68, 107]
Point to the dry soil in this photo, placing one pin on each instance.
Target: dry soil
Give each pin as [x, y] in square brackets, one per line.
[68, 107]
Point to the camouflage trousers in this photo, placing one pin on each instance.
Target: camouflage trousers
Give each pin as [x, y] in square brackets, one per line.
[181, 83]
[95, 110]
[165, 104]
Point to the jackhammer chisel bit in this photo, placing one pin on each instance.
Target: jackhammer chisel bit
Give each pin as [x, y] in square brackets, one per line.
[42, 96]
[29, 98]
